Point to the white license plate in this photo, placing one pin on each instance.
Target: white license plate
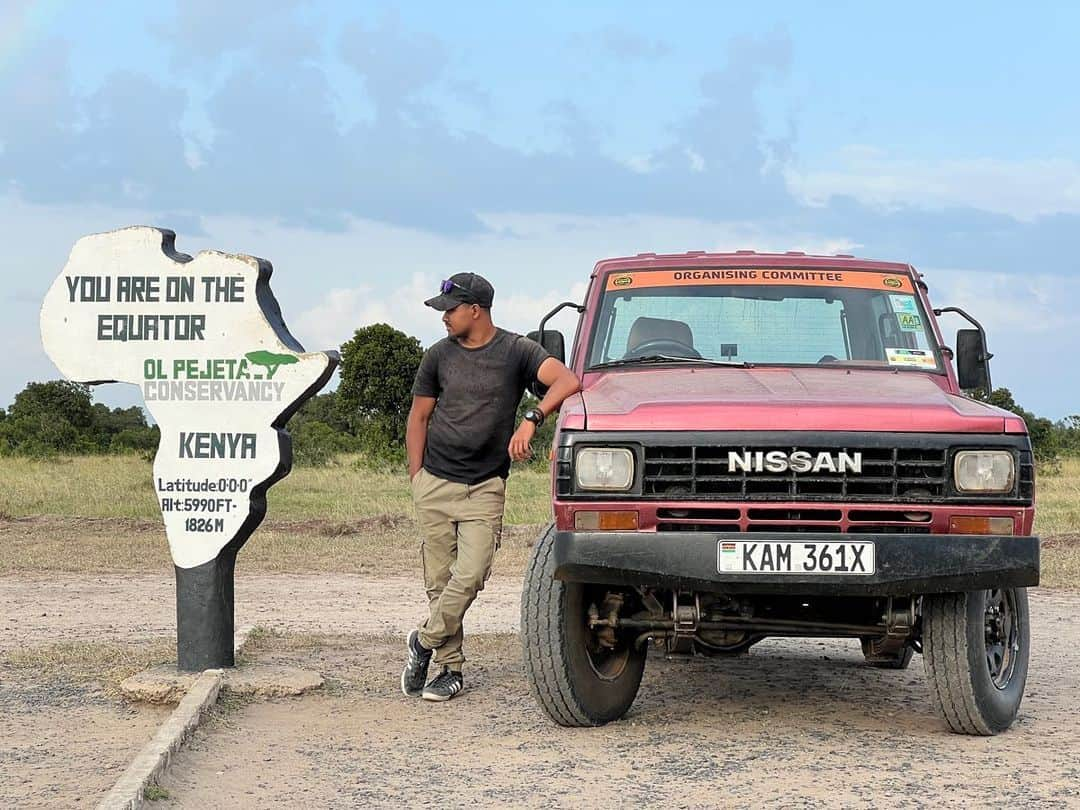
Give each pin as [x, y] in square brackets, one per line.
[755, 557]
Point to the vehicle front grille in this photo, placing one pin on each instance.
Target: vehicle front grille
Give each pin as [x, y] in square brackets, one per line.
[888, 473]
[896, 467]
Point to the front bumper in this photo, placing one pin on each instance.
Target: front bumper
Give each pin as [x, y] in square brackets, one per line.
[905, 564]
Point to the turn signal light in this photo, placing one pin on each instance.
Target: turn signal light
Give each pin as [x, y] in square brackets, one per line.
[974, 524]
[592, 521]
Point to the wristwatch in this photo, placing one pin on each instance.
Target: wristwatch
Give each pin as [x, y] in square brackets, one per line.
[535, 415]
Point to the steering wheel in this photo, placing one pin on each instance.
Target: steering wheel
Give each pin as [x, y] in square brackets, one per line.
[663, 346]
[828, 358]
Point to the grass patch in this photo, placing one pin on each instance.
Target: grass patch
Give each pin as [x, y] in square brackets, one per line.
[82, 661]
[1061, 561]
[1057, 500]
[82, 545]
[99, 514]
[154, 793]
[122, 487]
[83, 486]
[343, 492]
[377, 546]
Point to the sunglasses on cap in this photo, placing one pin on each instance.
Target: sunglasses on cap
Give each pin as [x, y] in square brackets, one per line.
[448, 285]
[471, 291]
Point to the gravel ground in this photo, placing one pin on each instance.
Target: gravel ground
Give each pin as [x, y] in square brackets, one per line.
[64, 743]
[794, 723]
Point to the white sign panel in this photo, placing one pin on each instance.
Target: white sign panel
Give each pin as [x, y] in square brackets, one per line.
[204, 340]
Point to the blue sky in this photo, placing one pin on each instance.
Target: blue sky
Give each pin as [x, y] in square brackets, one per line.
[370, 150]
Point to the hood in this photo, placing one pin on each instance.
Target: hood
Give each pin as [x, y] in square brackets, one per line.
[733, 398]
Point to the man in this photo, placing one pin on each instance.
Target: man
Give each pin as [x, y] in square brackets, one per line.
[460, 439]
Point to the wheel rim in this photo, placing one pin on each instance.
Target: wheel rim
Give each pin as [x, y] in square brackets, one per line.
[606, 662]
[1002, 634]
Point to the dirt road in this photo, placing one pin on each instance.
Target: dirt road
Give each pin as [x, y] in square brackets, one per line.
[136, 607]
[792, 724]
[797, 723]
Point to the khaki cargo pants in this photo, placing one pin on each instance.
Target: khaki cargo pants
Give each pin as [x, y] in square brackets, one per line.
[461, 526]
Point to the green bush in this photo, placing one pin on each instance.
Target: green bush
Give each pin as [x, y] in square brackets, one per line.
[316, 444]
[378, 366]
[42, 436]
[50, 418]
[321, 408]
[141, 439]
[378, 441]
[1044, 439]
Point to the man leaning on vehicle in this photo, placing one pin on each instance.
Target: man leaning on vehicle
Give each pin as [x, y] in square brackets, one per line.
[460, 441]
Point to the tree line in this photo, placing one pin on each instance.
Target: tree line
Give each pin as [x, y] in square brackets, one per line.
[1050, 440]
[365, 416]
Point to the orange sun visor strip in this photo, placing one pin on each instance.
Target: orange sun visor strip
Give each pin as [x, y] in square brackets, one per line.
[857, 279]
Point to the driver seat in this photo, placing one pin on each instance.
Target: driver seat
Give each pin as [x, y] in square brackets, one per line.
[645, 329]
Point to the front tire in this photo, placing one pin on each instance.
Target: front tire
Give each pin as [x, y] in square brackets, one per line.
[575, 680]
[975, 652]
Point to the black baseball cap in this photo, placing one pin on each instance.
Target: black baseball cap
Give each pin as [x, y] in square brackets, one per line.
[462, 288]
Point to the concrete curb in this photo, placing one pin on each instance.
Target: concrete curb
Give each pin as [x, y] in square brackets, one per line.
[153, 759]
[148, 765]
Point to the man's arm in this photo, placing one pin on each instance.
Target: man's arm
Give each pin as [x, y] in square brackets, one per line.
[416, 432]
[561, 383]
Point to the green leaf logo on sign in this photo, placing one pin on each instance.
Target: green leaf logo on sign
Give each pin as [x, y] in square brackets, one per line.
[270, 360]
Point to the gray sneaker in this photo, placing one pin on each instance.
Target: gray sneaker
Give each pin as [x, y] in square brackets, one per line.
[415, 672]
[444, 686]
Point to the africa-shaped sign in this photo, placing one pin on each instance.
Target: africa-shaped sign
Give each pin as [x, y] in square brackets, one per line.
[204, 339]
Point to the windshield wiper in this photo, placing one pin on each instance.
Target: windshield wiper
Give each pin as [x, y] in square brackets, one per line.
[667, 358]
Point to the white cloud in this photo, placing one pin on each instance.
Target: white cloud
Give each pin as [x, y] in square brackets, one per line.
[329, 284]
[697, 162]
[1031, 304]
[522, 313]
[342, 311]
[641, 164]
[1024, 189]
[1030, 322]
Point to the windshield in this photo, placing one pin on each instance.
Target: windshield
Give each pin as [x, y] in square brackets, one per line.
[764, 316]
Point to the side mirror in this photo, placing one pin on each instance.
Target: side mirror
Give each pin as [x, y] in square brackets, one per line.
[555, 345]
[972, 360]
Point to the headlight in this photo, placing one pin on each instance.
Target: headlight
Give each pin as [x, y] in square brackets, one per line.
[604, 468]
[984, 471]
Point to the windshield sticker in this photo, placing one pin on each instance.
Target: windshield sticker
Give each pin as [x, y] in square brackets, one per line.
[917, 358]
[909, 322]
[861, 279]
[904, 303]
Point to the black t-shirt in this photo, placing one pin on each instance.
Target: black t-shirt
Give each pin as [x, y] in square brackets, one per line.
[478, 392]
